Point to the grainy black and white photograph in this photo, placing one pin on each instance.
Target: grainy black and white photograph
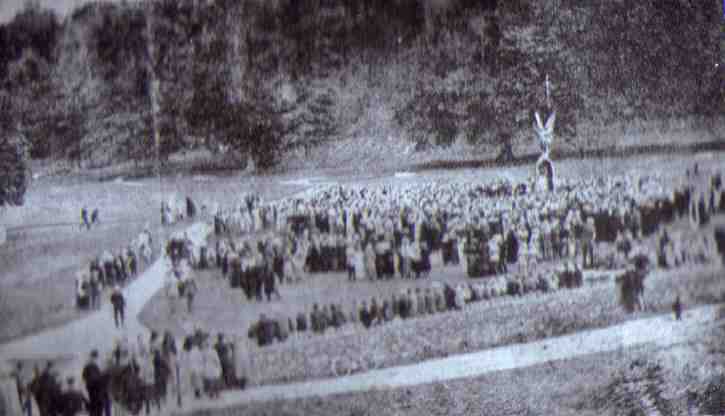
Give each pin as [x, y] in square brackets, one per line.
[362, 207]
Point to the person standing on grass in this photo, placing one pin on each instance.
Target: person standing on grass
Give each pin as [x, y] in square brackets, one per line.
[132, 261]
[301, 322]
[48, 391]
[92, 379]
[212, 371]
[190, 290]
[119, 304]
[677, 308]
[269, 282]
[73, 402]
[22, 384]
[84, 218]
[95, 291]
[95, 219]
[589, 237]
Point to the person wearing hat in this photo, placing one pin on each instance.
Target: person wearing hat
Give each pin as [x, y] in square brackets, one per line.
[119, 305]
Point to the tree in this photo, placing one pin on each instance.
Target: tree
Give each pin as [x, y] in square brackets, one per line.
[14, 169]
[254, 128]
[311, 119]
[14, 158]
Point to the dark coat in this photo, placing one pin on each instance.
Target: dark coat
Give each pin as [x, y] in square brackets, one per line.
[72, 403]
[263, 331]
[301, 322]
[91, 377]
[117, 300]
[366, 317]
[268, 281]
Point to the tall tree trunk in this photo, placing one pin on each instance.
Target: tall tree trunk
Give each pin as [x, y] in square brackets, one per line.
[155, 87]
[236, 57]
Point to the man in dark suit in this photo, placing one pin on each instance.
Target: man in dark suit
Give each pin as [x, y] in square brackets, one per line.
[84, 219]
[119, 305]
[95, 219]
[677, 308]
[47, 391]
[91, 375]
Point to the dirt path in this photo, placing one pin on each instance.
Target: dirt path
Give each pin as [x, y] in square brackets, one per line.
[660, 330]
[95, 331]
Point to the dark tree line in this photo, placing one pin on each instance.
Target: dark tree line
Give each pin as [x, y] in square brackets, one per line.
[266, 77]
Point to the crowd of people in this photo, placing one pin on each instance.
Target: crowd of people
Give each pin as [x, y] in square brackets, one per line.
[108, 271]
[143, 376]
[378, 232]
[384, 231]
[408, 304]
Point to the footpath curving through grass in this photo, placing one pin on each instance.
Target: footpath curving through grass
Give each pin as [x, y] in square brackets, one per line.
[483, 325]
[577, 386]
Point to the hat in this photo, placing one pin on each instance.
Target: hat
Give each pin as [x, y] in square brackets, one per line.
[94, 353]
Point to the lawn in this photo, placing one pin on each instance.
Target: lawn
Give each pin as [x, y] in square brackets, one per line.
[46, 247]
[611, 384]
[39, 261]
[481, 325]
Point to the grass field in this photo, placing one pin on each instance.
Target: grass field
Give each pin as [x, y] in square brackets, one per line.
[610, 384]
[45, 249]
[482, 325]
[39, 261]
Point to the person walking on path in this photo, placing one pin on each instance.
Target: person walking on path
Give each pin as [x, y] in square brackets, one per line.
[119, 304]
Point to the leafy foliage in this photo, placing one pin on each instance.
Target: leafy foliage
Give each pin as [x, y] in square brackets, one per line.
[14, 168]
[441, 71]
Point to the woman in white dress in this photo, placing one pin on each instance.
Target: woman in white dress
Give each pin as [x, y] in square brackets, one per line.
[212, 373]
